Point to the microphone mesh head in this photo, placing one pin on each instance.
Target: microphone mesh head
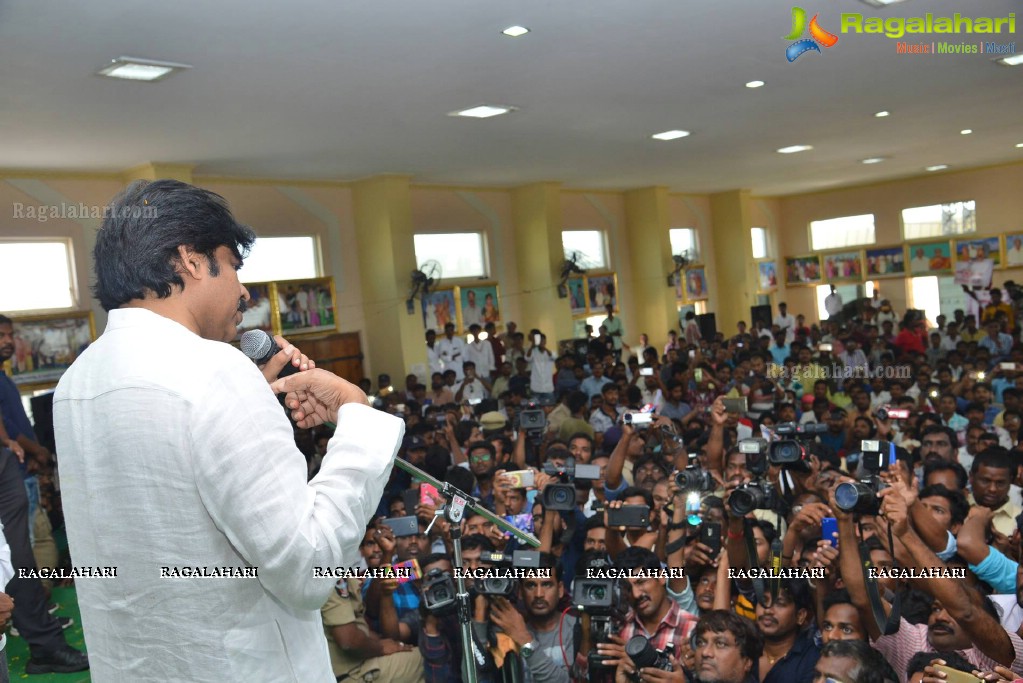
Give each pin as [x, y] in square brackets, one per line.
[256, 344]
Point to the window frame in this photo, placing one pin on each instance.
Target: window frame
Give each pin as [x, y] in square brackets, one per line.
[72, 273]
[445, 277]
[814, 248]
[698, 258]
[940, 235]
[605, 251]
[317, 260]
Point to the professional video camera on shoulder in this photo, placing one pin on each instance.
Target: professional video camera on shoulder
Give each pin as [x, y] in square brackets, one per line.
[561, 496]
[439, 594]
[860, 497]
[504, 585]
[793, 452]
[758, 494]
[532, 418]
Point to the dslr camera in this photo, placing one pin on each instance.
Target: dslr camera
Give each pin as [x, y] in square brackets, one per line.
[793, 452]
[561, 496]
[758, 494]
[645, 656]
[694, 479]
[860, 497]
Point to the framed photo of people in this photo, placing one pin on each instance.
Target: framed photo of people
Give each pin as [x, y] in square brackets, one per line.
[803, 270]
[930, 258]
[885, 262]
[980, 248]
[306, 306]
[577, 295]
[479, 305]
[843, 266]
[767, 276]
[46, 345]
[1014, 250]
[439, 309]
[602, 290]
[259, 313]
[696, 284]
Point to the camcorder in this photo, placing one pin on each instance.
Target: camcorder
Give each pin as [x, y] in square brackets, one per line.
[504, 586]
[561, 496]
[532, 419]
[638, 421]
[439, 593]
[758, 494]
[605, 600]
[645, 656]
[889, 413]
[860, 497]
[793, 452]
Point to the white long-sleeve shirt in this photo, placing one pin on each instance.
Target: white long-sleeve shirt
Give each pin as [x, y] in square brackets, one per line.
[6, 573]
[175, 453]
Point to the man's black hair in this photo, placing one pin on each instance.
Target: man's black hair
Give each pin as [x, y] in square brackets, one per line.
[994, 457]
[870, 667]
[839, 596]
[474, 541]
[958, 506]
[633, 491]
[137, 245]
[637, 558]
[747, 636]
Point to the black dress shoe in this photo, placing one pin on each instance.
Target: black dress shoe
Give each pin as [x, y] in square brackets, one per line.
[63, 661]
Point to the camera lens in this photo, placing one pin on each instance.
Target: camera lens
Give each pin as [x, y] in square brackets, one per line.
[856, 497]
[785, 451]
[596, 592]
[641, 652]
[745, 500]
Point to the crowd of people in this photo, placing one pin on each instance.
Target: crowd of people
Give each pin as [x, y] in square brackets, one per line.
[921, 424]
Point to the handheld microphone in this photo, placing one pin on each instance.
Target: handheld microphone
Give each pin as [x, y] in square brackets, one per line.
[261, 347]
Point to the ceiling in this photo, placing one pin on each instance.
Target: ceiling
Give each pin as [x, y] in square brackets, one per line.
[344, 90]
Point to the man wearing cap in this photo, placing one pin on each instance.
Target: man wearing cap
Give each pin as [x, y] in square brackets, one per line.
[492, 422]
[785, 322]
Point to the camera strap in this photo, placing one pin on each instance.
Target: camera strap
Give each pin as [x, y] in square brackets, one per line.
[890, 624]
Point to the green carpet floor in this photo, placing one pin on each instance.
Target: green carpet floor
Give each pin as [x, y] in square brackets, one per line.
[17, 648]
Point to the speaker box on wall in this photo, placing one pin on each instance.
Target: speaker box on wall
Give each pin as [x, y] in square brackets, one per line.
[761, 313]
[708, 325]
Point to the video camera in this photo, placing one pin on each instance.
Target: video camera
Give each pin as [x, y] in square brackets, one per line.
[439, 593]
[794, 452]
[532, 419]
[758, 494]
[638, 420]
[860, 497]
[504, 586]
[561, 496]
[606, 603]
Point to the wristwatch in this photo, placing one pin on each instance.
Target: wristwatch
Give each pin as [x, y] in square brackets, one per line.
[528, 649]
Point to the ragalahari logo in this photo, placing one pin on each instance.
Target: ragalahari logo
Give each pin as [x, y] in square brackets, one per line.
[818, 36]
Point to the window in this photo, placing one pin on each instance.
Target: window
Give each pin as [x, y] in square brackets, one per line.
[925, 296]
[280, 258]
[848, 231]
[847, 292]
[685, 241]
[460, 254]
[939, 220]
[585, 247]
[759, 238]
[36, 276]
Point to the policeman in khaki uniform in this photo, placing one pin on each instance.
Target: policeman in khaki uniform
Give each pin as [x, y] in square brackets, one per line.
[356, 653]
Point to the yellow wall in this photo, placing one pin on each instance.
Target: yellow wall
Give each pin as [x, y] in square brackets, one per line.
[327, 210]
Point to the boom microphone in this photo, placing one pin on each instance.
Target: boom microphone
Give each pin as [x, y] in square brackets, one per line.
[261, 347]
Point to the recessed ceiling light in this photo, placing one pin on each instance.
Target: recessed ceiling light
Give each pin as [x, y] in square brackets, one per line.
[1012, 60]
[483, 111]
[795, 148]
[755, 84]
[966, 131]
[873, 160]
[671, 135]
[882, 114]
[515, 31]
[939, 167]
[136, 69]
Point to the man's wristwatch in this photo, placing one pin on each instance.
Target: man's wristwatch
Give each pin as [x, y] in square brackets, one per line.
[528, 649]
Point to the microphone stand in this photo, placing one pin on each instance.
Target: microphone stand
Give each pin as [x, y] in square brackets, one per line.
[453, 511]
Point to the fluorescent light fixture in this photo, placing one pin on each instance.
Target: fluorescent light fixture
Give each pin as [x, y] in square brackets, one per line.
[1011, 60]
[795, 148]
[515, 31]
[1019, 145]
[881, 3]
[873, 160]
[137, 69]
[882, 114]
[483, 111]
[671, 135]
[939, 167]
[966, 131]
[755, 84]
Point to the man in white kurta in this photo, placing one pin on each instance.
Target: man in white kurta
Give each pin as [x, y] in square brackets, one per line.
[175, 452]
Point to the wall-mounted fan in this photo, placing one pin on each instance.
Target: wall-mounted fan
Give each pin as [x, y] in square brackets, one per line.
[423, 281]
[679, 262]
[568, 268]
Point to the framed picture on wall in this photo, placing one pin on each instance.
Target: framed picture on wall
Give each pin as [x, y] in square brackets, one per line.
[886, 262]
[479, 305]
[46, 345]
[603, 290]
[979, 249]
[930, 258]
[803, 270]
[1014, 250]
[577, 294]
[767, 276]
[439, 309]
[843, 266]
[696, 284]
[306, 306]
[259, 314]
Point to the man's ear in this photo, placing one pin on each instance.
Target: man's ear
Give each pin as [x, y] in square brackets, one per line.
[191, 263]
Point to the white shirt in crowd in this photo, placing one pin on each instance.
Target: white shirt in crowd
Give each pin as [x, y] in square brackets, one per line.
[833, 304]
[541, 370]
[453, 352]
[174, 452]
[482, 354]
[786, 322]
